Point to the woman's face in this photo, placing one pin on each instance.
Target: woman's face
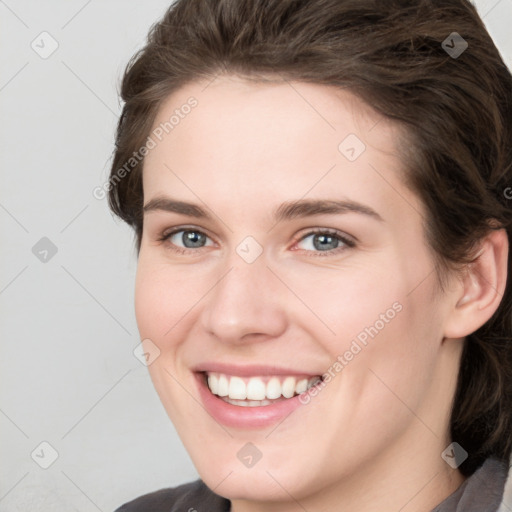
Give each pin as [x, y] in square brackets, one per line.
[292, 251]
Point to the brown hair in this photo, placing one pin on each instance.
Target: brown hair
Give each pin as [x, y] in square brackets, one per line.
[455, 109]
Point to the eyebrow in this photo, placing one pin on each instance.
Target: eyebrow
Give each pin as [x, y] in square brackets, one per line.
[286, 211]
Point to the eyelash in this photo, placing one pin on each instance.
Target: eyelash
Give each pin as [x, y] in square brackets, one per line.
[346, 241]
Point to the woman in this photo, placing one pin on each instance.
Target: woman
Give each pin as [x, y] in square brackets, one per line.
[318, 193]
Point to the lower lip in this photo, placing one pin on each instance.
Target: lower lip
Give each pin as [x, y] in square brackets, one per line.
[244, 417]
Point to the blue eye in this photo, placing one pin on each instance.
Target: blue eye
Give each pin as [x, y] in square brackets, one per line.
[325, 241]
[189, 238]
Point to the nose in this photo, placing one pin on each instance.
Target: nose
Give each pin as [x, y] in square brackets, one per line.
[246, 303]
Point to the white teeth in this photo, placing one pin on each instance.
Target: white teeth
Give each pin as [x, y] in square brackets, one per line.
[248, 403]
[301, 386]
[273, 388]
[289, 387]
[254, 391]
[223, 388]
[237, 389]
[213, 383]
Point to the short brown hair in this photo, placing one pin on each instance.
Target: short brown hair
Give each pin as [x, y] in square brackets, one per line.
[456, 111]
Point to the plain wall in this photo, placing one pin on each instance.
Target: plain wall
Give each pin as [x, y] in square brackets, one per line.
[68, 373]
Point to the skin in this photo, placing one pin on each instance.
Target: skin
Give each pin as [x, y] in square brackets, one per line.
[372, 439]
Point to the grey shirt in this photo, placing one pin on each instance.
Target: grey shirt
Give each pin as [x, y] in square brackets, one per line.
[481, 492]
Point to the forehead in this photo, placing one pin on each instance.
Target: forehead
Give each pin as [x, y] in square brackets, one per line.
[244, 142]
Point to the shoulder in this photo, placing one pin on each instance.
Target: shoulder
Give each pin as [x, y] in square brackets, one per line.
[190, 497]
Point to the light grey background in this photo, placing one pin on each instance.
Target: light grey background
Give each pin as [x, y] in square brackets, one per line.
[68, 375]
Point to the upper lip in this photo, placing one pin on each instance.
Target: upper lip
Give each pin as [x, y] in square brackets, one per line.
[252, 370]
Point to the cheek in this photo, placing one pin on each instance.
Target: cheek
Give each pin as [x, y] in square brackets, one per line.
[378, 329]
[389, 360]
[346, 303]
[164, 299]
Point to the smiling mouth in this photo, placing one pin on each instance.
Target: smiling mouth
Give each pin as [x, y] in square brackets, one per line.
[257, 391]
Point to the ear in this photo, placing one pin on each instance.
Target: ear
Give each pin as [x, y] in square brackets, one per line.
[481, 289]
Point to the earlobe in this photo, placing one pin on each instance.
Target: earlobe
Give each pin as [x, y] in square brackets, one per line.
[481, 288]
